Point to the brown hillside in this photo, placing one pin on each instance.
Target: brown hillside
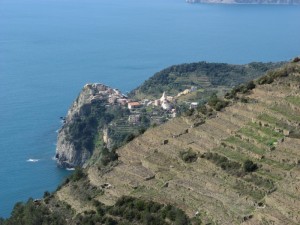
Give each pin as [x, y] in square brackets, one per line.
[214, 184]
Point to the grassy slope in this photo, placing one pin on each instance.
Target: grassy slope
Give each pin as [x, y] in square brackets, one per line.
[206, 77]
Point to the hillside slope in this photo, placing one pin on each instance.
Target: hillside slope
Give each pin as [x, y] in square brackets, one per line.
[218, 185]
[99, 121]
[240, 165]
[206, 77]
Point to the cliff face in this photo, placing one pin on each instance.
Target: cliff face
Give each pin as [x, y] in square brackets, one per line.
[67, 155]
[70, 152]
[246, 1]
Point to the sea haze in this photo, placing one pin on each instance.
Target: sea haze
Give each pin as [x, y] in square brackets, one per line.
[50, 48]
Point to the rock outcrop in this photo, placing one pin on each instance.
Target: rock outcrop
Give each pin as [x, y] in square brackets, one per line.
[68, 154]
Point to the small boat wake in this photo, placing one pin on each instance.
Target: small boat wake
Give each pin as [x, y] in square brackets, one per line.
[32, 160]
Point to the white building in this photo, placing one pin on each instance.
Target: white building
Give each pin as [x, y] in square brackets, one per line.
[193, 105]
[166, 105]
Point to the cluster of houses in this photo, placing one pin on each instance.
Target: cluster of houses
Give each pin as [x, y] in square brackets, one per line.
[165, 102]
[114, 96]
[98, 91]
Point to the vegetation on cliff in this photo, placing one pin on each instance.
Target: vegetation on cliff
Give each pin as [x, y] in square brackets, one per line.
[83, 129]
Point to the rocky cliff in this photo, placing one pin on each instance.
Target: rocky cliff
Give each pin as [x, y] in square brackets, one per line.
[72, 150]
[246, 1]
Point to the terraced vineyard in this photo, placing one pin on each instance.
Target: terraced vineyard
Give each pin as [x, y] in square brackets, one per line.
[216, 186]
[237, 166]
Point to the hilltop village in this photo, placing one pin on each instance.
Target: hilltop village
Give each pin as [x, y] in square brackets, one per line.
[155, 111]
[104, 118]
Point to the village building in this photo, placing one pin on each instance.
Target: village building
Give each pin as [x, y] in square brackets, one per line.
[117, 91]
[134, 105]
[149, 103]
[145, 101]
[170, 98]
[96, 98]
[112, 99]
[163, 97]
[193, 105]
[122, 101]
[173, 113]
[157, 102]
[166, 105]
[165, 102]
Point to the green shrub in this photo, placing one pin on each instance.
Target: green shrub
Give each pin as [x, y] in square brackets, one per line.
[107, 156]
[250, 85]
[220, 105]
[281, 72]
[216, 103]
[249, 166]
[188, 156]
[46, 194]
[244, 88]
[223, 162]
[260, 181]
[202, 109]
[296, 59]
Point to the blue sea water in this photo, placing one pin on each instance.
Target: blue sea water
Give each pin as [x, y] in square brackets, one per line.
[50, 48]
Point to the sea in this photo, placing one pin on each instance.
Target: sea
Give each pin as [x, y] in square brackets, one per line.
[50, 48]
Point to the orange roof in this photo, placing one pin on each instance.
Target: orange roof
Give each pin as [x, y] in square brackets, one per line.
[134, 103]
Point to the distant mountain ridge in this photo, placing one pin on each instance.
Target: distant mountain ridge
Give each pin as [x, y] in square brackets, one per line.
[286, 2]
